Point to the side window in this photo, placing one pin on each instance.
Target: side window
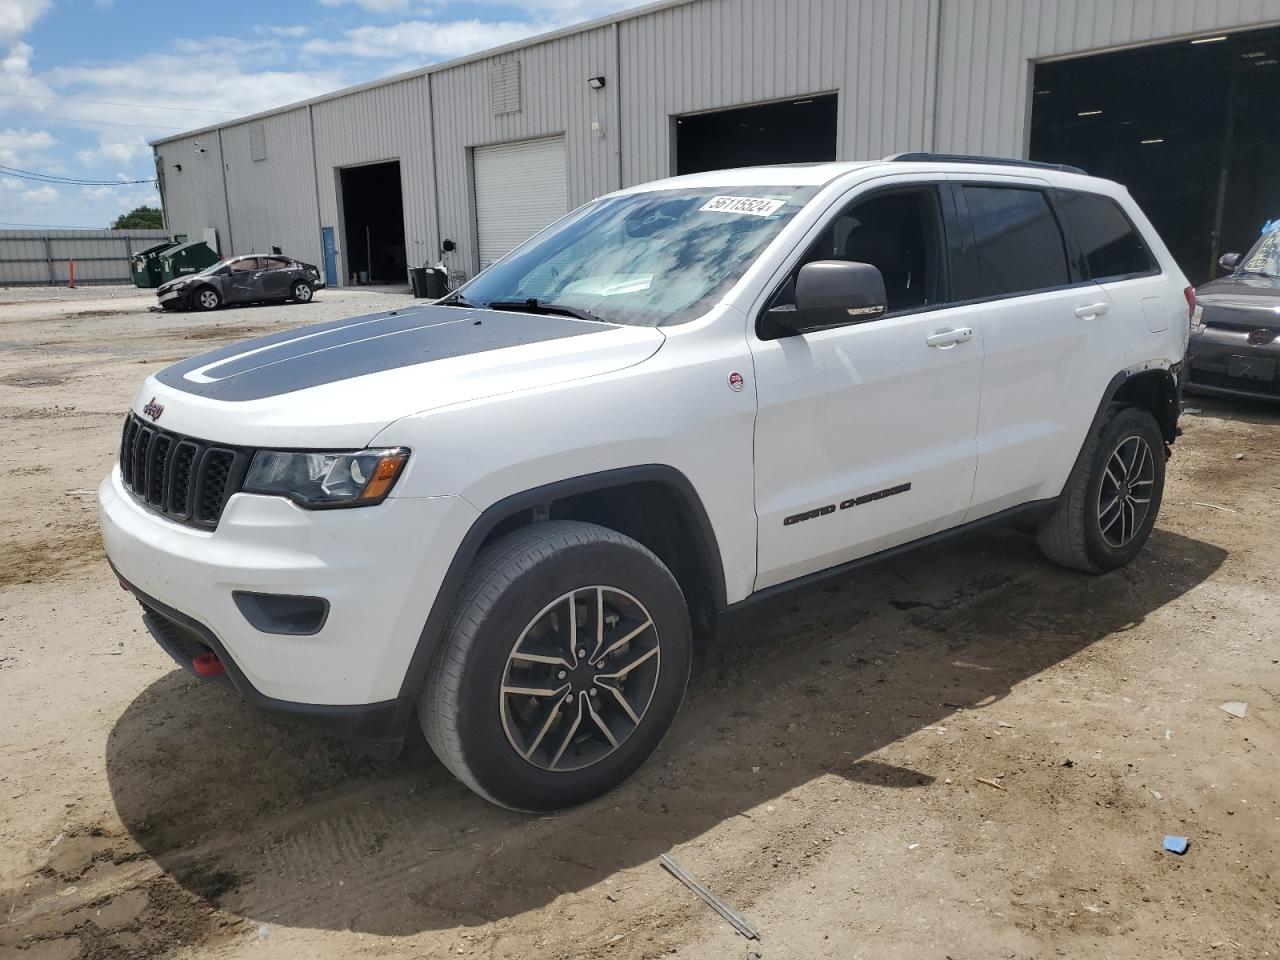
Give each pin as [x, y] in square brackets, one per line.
[1018, 243]
[244, 265]
[277, 263]
[1109, 243]
[899, 233]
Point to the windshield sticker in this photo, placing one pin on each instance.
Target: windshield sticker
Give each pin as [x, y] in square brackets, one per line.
[751, 206]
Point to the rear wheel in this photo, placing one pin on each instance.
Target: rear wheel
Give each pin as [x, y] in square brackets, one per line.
[562, 666]
[1112, 499]
[302, 292]
[207, 298]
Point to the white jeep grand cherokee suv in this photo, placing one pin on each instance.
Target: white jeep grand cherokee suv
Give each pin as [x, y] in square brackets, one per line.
[512, 509]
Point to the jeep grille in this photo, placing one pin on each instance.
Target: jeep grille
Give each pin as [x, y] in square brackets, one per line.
[185, 479]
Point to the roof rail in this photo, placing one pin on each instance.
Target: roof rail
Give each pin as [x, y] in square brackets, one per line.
[962, 158]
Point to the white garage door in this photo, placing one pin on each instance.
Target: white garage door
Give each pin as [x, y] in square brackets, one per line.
[520, 188]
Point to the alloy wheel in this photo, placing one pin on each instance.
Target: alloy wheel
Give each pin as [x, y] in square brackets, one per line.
[1124, 498]
[208, 299]
[580, 678]
[302, 293]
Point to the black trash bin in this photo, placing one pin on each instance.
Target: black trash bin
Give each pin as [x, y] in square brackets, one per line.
[418, 281]
[437, 283]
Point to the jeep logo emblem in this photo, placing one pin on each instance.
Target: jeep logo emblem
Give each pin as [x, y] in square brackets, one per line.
[153, 409]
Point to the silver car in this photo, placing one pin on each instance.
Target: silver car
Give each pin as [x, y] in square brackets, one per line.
[257, 278]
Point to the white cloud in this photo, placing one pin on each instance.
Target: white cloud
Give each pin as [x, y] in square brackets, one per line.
[298, 30]
[426, 38]
[373, 6]
[22, 148]
[113, 152]
[45, 194]
[18, 16]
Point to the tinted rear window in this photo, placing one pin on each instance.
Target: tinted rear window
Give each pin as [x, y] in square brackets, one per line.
[1109, 243]
[1018, 243]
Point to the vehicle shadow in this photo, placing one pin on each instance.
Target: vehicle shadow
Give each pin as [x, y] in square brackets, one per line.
[276, 824]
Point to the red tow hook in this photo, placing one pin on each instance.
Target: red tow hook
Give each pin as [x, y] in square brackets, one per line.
[207, 664]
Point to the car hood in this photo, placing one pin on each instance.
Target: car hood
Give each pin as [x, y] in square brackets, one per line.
[1240, 301]
[176, 282]
[338, 384]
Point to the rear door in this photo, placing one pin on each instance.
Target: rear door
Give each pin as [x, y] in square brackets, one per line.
[1051, 341]
[1112, 253]
[278, 274]
[865, 432]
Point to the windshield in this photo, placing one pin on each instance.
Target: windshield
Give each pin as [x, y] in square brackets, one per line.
[213, 269]
[644, 259]
[1264, 258]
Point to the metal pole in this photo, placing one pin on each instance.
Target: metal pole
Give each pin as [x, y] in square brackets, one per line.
[1228, 143]
[48, 259]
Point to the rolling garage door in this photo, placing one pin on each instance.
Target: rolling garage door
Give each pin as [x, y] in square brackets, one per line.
[520, 188]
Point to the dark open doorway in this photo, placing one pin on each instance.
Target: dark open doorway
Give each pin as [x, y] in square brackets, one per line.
[792, 131]
[373, 223]
[1191, 128]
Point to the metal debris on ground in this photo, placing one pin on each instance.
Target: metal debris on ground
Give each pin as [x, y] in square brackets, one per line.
[991, 783]
[736, 920]
[1176, 845]
[1213, 506]
[1235, 708]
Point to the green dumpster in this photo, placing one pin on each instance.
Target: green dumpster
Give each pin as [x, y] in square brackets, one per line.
[185, 259]
[146, 264]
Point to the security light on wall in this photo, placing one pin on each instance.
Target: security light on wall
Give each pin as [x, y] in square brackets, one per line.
[596, 83]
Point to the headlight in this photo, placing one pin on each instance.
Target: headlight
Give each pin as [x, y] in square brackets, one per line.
[318, 480]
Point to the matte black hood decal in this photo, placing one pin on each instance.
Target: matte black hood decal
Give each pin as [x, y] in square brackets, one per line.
[328, 352]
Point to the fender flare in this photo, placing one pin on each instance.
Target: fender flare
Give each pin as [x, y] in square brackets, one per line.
[1109, 394]
[695, 515]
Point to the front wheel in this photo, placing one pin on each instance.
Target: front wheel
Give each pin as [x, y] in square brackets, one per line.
[207, 298]
[302, 292]
[1113, 496]
[561, 669]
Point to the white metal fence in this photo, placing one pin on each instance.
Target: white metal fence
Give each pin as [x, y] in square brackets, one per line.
[43, 257]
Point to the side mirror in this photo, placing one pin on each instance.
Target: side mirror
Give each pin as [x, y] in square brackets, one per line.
[832, 293]
[1229, 261]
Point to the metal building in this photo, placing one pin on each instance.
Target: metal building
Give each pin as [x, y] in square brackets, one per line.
[1177, 98]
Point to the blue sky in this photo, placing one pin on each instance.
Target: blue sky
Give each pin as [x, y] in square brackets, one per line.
[84, 84]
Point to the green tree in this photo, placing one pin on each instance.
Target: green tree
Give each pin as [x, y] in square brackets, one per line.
[140, 218]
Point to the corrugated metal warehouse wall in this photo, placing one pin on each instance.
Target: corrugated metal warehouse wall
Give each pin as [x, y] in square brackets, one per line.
[268, 208]
[944, 75]
[29, 257]
[725, 53]
[988, 47]
[387, 122]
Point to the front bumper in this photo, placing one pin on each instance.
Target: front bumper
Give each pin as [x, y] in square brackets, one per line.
[369, 564]
[1222, 361]
[172, 299]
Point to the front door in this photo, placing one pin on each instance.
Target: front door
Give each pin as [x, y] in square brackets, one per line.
[865, 434]
[243, 280]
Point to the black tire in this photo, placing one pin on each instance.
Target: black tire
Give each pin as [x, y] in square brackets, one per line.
[1080, 532]
[206, 298]
[301, 292]
[511, 584]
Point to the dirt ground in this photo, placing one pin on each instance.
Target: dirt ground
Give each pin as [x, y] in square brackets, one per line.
[823, 776]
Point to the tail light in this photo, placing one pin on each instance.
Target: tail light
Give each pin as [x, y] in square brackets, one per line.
[1193, 309]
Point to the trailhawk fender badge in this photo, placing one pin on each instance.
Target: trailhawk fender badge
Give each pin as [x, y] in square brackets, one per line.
[735, 382]
[153, 409]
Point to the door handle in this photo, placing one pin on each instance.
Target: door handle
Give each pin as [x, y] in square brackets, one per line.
[1091, 310]
[945, 339]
